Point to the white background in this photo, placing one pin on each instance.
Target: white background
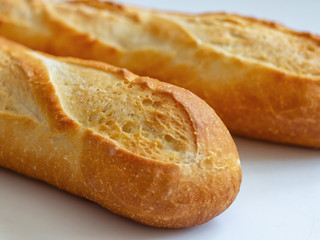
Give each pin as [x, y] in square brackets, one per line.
[280, 192]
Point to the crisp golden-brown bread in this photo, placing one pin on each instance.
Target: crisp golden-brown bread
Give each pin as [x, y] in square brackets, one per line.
[261, 78]
[143, 149]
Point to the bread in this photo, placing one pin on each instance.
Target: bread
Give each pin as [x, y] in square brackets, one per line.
[143, 149]
[261, 78]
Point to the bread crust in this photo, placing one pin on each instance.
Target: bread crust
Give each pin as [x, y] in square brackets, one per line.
[260, 77]
[42, 137]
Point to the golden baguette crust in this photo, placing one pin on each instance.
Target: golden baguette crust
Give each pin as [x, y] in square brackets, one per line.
[261, 78]
[143, 149]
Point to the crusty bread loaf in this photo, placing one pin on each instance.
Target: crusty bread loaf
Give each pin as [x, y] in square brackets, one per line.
[143, 149]
[261, 78]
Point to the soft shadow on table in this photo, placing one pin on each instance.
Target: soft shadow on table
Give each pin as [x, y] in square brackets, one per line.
[265, 164]
[30, 209]
[279, 195]
[256, 150]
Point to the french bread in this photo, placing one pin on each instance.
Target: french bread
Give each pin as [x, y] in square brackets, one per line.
[144, 149]
[261, 78]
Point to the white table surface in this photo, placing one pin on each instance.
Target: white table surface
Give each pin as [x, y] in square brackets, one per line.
[280, 192]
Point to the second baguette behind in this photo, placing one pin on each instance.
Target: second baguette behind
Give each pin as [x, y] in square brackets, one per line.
[262, 79]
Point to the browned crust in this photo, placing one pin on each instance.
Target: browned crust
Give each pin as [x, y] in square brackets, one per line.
[122, 8]
[155, 193]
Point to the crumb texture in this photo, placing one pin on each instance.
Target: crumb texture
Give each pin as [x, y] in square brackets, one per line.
[147, 122]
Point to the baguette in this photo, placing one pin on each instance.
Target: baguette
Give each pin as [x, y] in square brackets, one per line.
[144, 149]
[261, 78]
